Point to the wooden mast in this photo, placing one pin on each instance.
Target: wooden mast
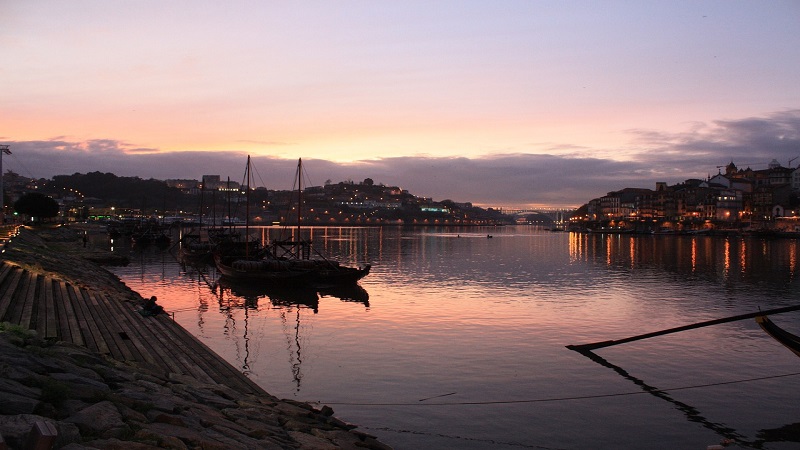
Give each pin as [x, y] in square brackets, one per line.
[299, 198]
[247, 211]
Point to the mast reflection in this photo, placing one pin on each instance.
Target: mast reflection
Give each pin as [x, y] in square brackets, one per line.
[288, 301]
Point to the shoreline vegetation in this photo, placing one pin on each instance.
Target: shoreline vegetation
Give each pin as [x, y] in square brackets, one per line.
[64, 395]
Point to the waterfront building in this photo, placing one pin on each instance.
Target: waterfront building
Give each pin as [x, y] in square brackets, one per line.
[757, 197]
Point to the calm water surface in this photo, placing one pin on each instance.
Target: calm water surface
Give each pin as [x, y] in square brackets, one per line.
[458, 341]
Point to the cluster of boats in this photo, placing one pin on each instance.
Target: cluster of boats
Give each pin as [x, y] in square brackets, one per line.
[283, 263]
[140, 231]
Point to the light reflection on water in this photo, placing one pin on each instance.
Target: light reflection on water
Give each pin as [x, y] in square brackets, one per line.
[449, 316]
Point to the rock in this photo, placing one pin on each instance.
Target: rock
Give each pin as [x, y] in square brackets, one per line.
[82, 387]
[71, 406]
[291, 409]
[130, 414]
[116, 444]
[206, 416]
[101, 419]
[159, 440]
[156, 399]
[169, 419]
[15, 428]
[14, 386]
[236, 435]
[259, 430]
[18, 404]
[342, 439]
[114, 375]
[190, 437]
[207, 397]
[68, 433]
[75, 446]
[308, 441]
[14, 371]
[150, 386]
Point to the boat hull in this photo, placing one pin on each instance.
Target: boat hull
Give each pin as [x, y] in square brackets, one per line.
[341, 275]
[788, 340]
[261, 273]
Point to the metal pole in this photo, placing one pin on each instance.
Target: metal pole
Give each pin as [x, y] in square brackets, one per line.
[3, 149]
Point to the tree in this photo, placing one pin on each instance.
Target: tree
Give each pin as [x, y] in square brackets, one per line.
[36, 205]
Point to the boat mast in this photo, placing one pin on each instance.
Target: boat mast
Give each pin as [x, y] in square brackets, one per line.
[299, 196]
[202, 188]
[247, 211]
[228, 195]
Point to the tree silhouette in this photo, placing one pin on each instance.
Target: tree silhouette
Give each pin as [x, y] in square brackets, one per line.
[36, 205]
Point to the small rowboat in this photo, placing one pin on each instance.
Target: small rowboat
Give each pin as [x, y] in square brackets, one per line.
[789, 340]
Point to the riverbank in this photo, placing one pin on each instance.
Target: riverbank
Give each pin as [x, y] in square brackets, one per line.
[91, 400]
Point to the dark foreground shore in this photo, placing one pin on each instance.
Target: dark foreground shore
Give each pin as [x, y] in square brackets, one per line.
[80, 399]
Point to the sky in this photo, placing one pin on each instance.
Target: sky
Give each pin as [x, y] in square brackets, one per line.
[503, 103]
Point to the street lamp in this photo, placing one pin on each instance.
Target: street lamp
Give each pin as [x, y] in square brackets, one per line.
[3, 150]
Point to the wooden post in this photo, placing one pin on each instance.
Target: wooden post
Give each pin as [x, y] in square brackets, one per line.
[42, 436]
[596, 345]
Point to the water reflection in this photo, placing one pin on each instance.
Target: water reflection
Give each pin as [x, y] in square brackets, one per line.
[290, 303]
[725, 259]
[692, 414]
[348, 293]
[248, 295]
[451, 311]
[786, 433]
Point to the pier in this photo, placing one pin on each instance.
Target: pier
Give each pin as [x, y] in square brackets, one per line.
[58, 310]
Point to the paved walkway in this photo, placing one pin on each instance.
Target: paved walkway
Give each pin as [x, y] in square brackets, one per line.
[59, 310]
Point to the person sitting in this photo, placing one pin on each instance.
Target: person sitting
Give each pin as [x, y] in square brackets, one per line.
[151, 308]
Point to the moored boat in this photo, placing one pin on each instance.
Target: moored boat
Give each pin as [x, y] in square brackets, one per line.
[285, 262]
[301, 254]
[272, 273]
[326, 271]
[788, 340]
[193, 247]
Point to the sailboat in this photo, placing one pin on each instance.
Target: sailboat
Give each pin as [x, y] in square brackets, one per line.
[194, 246]
[251, 263]
[301, 254]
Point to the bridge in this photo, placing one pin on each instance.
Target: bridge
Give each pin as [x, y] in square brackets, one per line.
[559, 215]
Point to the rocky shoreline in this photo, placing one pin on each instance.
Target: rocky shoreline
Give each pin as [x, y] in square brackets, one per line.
[91, 401]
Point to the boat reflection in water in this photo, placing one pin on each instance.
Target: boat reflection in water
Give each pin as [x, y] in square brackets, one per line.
[307, 296]
[346, 293]
[251, 293]
[288, 302]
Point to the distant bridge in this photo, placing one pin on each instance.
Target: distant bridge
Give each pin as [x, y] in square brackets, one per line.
[558, 215]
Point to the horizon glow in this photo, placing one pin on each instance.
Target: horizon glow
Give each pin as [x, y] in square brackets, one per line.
[354, 81]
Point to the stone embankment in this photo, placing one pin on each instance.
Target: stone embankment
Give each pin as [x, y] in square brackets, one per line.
[71, 397]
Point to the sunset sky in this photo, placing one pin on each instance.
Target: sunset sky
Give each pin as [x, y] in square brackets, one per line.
[500, 103]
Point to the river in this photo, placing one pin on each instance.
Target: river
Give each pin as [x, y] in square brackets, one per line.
[458, 341]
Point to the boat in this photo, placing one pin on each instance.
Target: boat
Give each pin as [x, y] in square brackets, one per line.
[302, 255]
[261, 270]
[788, 340]
[150, 233]
[194, 248]
[286, 262]
[241, 259]
[195, 245]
